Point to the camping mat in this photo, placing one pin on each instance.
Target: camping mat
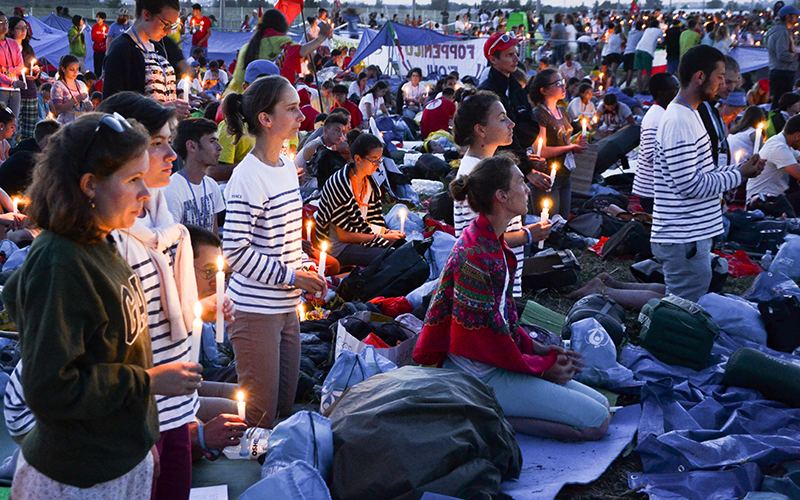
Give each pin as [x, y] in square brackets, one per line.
[537, 314]
[548, 465]
[581, 177]
[237, 474]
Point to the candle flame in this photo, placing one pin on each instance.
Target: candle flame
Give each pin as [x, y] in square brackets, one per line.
[324, 246]
[301, 312]
[198, 309]
[50, 116]
[240, 396]
[546, 204]
[738, 156]
[220, 262]
[33, 61]
[24, 70]
[761, 126]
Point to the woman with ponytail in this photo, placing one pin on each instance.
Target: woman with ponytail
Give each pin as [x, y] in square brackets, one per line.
[271, 42]
[472, 322]
[262, 245]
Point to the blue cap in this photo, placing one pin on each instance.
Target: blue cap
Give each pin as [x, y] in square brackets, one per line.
[260, 67]
[787, 10]
[737, 99]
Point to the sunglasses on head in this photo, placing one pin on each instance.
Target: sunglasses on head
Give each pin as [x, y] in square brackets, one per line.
[505, 38]
[115, 122]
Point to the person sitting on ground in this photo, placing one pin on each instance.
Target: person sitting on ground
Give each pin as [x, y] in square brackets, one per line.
[340, 100]
[320, 157]
[769, 191]
[192, 196]
[613, 116]
[413, 94]
[472, 324]
[214, 80]
[788, 106]
[743, 133]
[438, 114]
[16, 172]
[350, 216]
[481, 126]
[70, 98]
[582, 106]
[570, 69]
[759, 94]
[8, 128]
[373, 101]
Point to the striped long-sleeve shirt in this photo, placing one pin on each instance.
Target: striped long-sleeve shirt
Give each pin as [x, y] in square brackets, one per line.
[338, 207]
[687, 183]
[643, 179]
[463, 216]
[19, 419]
[263, 236]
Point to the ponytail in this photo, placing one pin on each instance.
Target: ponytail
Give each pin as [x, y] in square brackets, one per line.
[242, 110]
[232, 109]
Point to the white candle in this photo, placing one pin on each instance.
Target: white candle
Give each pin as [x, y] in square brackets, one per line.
[33, 61]
[539, 148]
[301, 313]
[16, 205]
[197, 332]
[402, 221]
[322, 258]
[583, 125]
[220, 298]
[309, 225]
[738, 157]
[757, 143]
[24, 80]
[241, 406]
[186, 83]
[553, 171]
[545, 217]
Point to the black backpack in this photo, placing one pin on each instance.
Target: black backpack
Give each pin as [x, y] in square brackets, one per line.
[399, 270]
[632, 240]
[325, 163]
[781, 317]
[595, 224]
[440, 207]
[604, 309]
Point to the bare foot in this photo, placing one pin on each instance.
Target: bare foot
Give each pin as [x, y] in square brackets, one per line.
[590, 288]
[608, 280]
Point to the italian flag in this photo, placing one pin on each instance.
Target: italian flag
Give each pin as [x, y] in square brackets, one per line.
[396, 43]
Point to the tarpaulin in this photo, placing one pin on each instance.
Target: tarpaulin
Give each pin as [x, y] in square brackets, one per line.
[692, 423]
[54, 21]
[371, 41]
[50, 41]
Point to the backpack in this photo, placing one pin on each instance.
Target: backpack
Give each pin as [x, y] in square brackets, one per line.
[781, 316]
[677, 332]
[632, 240]
[605, 310]
[325, 163]
[549, 269]
[400, 269]
[440, 207]
[594, 224]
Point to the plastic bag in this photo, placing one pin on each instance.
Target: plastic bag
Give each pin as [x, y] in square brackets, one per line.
[769, 285]
[739, 264]
[351, 368]
[304, 436]
[295, 481]
[600, 356]
[735, 316]
[787, 260]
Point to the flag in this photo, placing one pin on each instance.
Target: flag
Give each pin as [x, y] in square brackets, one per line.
[259, 12]
[396, 43]
[635, 7]
[290, 8]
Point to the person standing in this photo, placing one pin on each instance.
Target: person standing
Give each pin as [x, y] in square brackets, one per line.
[77, 44]
[712, 121]
[201, 28]
[645, 53]
[99, 32]
[689, 38]
[11, 65]
[782, 54]
[687, 182]
[629, 55]
[119, 27]
[558, 39]
[28, 115]
[672, 39]
[70, 98]
[262, 245]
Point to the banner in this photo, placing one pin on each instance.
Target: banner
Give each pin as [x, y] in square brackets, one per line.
[465, 56]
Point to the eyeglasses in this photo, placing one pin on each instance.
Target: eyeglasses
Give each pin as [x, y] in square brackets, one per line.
[210, 273]
[115, 122]
[557, 83]
[21, 27]
[377, 162]
[167, 26]
[505, 38]
[3, 23]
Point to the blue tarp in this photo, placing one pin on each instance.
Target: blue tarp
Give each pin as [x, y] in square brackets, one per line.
[50, 42]
[371, 40]
[221, 45]
[694, 428]
[54, 21]
[750, 58]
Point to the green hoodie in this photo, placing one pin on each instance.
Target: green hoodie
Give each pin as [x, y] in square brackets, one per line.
[85, 346]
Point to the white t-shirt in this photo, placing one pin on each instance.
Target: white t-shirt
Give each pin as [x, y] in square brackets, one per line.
[649, 40]
[355, 88]
[198, 206]
[567, 72]
[370, 99]
[741, 141]
[633, 40]
[610, 122]
[572, 32]
[576, 109]
[410, 91]
[614, 45]
[774, 180]
[222, 77]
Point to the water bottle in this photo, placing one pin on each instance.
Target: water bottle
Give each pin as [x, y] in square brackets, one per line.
[252, 445]
[766, 260]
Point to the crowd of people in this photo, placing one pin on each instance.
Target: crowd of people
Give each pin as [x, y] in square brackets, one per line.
[124, 185]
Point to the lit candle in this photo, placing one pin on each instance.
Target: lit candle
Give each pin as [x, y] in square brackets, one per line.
[197, 332]
[50, 116]
[539, 147]
[16, 205]
[301, 313]
[24, 80]
[309, 225]
[545, 217]
[218, 97]
[322, 258]
[220, 298]
[33, 62]
[241, 406]
[186, 83]
[553, 170]
[738, 157]
[583, 125]
[402, 220]
[757, 143]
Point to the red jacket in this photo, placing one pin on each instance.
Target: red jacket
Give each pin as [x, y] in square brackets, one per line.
[99, 37]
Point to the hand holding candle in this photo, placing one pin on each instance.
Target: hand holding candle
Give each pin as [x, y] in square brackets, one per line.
[197, 332]
[738, 157]
[220, 298]
[584, 122]
[545, 217]
[16, 204]
[539, 147]
[241, 406]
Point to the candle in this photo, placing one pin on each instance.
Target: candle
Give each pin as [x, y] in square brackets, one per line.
[301, 313]
[322, 258]
[545, 217]
[197, 332]
[757, 143]
[309, 225]
[24, 80]
[539, 147]
[402, 221]
[16, 205]
[583, 125]
[186, 83]
[50, 116]
[241, 406]
[553, 170]
[738, 157]
[220, 298]
[33, 61]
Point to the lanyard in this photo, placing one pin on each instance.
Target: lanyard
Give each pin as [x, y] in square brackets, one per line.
[696, 115]
[200, 215]
[158, 60]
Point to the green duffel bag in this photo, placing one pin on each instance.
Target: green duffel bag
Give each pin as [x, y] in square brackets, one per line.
[776, 379]
[677, 332]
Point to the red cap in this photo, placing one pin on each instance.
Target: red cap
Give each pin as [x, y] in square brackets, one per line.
[499, 42]
[764, 84]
